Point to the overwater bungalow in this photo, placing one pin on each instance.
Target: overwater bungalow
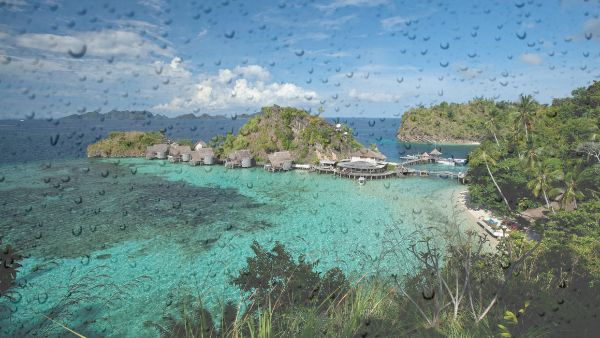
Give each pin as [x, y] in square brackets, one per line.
[239, 158]
[179, 153]
[435, 153]
[205, 156]
[281, 160]
[157, 151]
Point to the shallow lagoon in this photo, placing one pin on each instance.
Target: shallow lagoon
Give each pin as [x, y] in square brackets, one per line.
[112, 244]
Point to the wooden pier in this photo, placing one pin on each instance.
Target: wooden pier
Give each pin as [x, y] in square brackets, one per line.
[401, 171]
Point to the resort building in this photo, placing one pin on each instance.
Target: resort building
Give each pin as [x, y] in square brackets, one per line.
[178, 153]
[157, 151]
[363, 164]
[204, 156]
[199, 145]
[239, 158]
[281, 160]
[435, 153]
[367, 155]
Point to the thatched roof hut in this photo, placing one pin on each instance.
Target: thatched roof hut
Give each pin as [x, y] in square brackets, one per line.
[202, 156]
[159, 151]
[425, 154]
[281, 160]
[534, 214]
[369, 154]
[435, 152]
[239, 158]
[177, 150]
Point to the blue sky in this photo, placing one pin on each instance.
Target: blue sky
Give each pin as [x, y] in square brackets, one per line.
[351, 57]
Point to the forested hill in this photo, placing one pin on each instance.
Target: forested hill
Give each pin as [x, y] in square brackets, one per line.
[451, 122]
[309, 138]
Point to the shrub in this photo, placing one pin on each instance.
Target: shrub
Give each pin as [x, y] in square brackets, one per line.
[277, 280]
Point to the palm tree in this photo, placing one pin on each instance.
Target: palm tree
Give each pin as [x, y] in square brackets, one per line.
[487, 156]
[543, 177]
[526, 107]
[531, 157]
[491, 127]
[573, 186]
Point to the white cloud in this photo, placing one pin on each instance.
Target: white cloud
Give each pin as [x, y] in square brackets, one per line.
[335, 4]
[157, 5]
[373, 96]
[393, 22]
[202, 33]
[239, 87]
[175, 62]
[531, 58]
[101, 43]
[335, 23]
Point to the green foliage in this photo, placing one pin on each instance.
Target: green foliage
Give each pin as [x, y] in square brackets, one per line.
[286, 128]
[185, 142]
[125, 144]
[451, 122]
[275, 278]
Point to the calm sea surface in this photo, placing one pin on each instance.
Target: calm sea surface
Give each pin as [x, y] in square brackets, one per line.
[112, 245]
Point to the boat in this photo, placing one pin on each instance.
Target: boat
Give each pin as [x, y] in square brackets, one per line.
[362, 180]
[460, 161]
[445, 161]
[445, 174]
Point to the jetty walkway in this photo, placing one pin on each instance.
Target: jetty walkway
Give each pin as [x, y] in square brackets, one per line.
[402, 169]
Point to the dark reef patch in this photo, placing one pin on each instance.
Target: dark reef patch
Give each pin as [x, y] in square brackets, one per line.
[77, 207]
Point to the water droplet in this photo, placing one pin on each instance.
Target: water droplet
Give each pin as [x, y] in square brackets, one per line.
[77, 230]
[79, 52]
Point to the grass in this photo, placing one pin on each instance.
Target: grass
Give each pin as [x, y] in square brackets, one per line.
[125, 144]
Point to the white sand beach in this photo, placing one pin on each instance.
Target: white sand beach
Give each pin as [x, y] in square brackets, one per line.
[473, 216]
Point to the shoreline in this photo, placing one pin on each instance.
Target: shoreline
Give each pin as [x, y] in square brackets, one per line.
[473, 216]
[445, 143]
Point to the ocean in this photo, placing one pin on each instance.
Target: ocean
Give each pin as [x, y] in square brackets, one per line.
[111, 245]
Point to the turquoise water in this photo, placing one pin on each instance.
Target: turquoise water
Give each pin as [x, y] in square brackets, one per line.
[113, 244]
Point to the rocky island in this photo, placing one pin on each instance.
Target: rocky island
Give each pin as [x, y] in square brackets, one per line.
[308, 138]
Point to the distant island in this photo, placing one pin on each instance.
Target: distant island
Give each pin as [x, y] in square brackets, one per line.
[307, 138]
[454, 123]
[145, 115]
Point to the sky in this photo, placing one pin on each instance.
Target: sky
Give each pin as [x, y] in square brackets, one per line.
[348, 58]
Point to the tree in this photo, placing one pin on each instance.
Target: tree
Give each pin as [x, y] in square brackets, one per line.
[487, 156]
[532, 156]
[571, 192]
[543, 176]
[491, 127]
[591, 149]
[526, 106]
[576, 181]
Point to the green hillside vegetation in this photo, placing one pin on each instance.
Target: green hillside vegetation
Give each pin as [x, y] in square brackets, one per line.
[125, 144]
[309, 138]
[451, 122]
[531, 154]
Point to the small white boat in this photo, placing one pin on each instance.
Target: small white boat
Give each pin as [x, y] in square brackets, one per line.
[460, 161]
[362, 180]
[445, 161]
